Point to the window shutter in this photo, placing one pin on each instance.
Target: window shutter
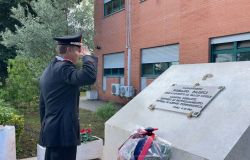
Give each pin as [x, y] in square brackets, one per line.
[232, 38]
[115, 60]
[168, 53]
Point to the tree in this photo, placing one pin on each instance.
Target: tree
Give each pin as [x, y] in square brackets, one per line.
[22, 84]
[9, 22]
[34, 37]
[81, 18]
[6, 22]
[35, 46]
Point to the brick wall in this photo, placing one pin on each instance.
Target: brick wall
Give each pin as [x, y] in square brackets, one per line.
[162, 22]
[106, 95]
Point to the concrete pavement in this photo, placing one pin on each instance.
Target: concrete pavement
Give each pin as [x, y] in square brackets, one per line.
[91, 105]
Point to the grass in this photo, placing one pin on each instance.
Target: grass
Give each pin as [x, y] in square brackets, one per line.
[30, 136]
[89, 119]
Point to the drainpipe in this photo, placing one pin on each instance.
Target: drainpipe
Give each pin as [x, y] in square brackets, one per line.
[128, 38]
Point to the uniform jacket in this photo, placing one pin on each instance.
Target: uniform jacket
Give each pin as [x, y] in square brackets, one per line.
[59, 100]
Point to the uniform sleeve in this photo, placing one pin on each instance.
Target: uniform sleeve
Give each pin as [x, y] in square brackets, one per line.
[41, 108]
[84, 76]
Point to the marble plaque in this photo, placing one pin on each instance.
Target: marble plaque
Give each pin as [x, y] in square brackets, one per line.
[190, 100]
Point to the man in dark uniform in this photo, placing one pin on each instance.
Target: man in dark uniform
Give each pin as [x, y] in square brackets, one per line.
[59, 98]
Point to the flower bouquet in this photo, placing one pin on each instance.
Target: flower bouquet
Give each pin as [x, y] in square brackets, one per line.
[85, 135]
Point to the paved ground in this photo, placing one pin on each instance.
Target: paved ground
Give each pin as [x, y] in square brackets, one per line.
[91, 105]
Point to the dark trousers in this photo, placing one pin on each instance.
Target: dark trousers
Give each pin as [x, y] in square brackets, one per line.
[60, 153]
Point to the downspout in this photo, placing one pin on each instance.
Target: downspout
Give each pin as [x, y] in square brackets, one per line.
[128, 38]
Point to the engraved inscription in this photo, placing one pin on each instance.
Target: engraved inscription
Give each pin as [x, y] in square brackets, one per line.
[187, 99]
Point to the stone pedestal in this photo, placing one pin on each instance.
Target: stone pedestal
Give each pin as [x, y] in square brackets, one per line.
[220, 132]
[7, 143]
[90, 150]
[40, 152]
[85, 151]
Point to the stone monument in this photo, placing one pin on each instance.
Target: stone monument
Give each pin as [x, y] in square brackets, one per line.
[203, 110]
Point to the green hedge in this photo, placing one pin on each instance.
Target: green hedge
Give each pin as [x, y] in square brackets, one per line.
[9, 116]
[106, 111]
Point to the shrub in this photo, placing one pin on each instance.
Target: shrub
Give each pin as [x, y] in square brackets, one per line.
[106, 111]
[9, 116]
[21, 89]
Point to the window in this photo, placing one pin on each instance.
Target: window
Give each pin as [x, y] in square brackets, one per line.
[155, 69]
[224, 46]
[244, 44]
[114, 72]
[158, 59]
[112, 6]
[232, 51]
[113, 64]
[159, 68]
[108, 9]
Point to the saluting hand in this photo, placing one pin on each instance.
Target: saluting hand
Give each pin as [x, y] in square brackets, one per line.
[85, 51]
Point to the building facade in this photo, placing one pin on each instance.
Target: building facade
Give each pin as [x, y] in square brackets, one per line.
[137, 40]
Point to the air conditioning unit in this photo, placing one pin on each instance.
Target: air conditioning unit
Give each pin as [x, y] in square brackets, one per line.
[127, 91]
[115, 89]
